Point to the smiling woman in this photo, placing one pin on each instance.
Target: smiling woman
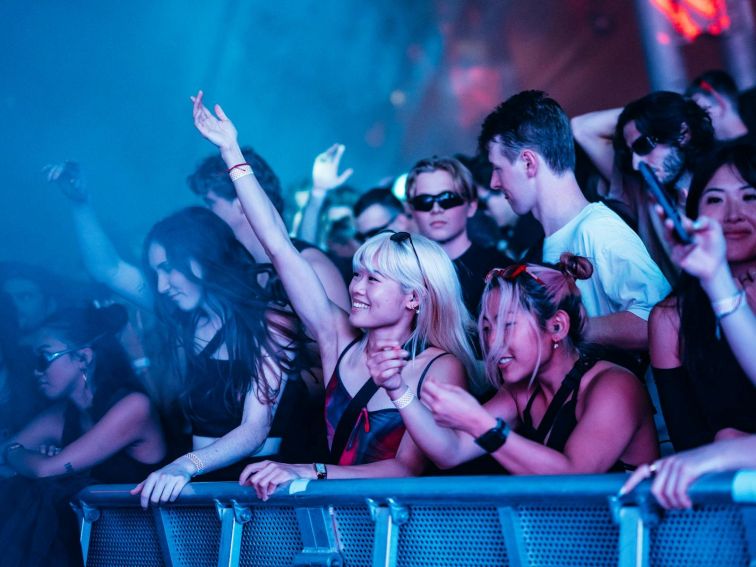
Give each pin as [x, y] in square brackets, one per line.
[704, 392]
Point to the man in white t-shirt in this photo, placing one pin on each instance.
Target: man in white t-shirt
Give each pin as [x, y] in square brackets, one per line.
[530, 145]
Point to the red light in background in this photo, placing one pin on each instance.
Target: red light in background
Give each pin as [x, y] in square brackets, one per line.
[691, 18]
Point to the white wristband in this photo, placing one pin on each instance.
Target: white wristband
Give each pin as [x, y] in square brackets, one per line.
[239, 172]
[405, 399]
[724, 307]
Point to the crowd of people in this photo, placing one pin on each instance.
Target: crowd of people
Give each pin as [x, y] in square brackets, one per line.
[514, 312]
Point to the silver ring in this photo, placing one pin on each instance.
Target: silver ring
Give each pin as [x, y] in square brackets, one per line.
[653, 467]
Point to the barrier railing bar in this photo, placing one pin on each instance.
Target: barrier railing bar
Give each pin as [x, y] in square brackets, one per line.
[232, 524]
[387, 520]
[512, 532]
[165, 537]
[86, 515]
[320, 545]
[633, 537]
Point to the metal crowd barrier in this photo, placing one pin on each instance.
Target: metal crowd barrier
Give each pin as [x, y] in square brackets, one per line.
[445, 521]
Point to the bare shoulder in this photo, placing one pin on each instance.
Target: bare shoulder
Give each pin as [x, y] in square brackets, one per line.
[438, 365]
[610, 382]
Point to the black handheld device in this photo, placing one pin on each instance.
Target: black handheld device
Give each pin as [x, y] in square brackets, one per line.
[670, 211]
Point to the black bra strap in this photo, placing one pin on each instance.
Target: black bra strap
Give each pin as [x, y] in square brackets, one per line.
[570, 384]
[425, 371]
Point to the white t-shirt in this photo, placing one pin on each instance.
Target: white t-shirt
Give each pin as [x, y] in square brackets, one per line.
[625, 278]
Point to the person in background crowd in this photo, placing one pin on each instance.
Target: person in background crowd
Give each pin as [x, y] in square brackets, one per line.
[716, 92]
[664, 130]
[442, 196]
[377, 210]
[557, 409]
[705, 394]
[404, 287]
[529, 143]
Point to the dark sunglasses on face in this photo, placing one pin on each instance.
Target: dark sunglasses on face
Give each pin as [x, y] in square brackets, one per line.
[445, 200]
[644, 145]
[43, 360]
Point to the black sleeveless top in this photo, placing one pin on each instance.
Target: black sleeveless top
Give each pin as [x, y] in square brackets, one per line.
[213, 413]
[121, 467]
[560, 418]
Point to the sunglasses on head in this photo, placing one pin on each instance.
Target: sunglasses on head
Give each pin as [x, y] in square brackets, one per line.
[401, 237]
[43, 360]
[445, 200]
[511, 273]
[644, 145]
[363, 236]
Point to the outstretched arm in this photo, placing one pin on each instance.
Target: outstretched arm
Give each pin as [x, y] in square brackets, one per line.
[594, 132]
[100, 257]
[123, 425]
[302, 285]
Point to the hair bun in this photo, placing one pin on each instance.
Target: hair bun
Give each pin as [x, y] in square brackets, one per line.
[577, 267]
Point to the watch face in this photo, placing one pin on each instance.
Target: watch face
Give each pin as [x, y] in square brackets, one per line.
[321, 471]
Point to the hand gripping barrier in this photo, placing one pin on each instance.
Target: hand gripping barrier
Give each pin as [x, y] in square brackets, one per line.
[446, 521]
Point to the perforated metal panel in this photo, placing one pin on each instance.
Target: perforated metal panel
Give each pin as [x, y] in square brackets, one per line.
[355, 531]
[712, 536]
[569, 536]
[124, 538]
[446, 535]
[194, 534]
[270, 538]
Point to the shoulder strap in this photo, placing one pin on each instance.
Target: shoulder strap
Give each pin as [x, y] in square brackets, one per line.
[349, 418]
[343, 352]
[425, 371]
[214, 343]
[570, 383]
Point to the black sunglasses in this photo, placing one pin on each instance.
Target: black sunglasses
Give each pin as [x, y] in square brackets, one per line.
[445, 200]
[399, 238]
[43, 360]
[363, 236]
[644, 145]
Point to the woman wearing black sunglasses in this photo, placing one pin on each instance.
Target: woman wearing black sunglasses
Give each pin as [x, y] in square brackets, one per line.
[405, 298]
[102, 427]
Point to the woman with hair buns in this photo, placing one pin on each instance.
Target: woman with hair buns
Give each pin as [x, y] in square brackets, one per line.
[557, 409]
[100, 428]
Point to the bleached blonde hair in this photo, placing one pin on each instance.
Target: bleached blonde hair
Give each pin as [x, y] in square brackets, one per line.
[442, 319]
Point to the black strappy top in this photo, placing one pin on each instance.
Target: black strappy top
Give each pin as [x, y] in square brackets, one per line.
[560, 418]
[376, 434]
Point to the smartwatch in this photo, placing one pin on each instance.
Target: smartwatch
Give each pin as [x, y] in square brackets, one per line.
[495, 437]
[320, 471]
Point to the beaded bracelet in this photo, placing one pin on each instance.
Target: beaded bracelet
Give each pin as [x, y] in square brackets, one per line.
[197, 462]
[405, 399]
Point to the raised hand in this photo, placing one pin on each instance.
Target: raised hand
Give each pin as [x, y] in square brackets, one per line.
[165, 484]
[217, 128]
[67, 176]
[452, 406]
[266, 476]
[325, 169]
[386, 362]
[706, 255]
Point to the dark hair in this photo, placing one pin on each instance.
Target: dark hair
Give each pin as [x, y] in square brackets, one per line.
[531, 120]
[661, 115]
[479, 166]
[462, 180]
[702, 354]
[211, 175]
[740, 155]
[714, 81]
[97, 328]
[230, 288]
[378, 196]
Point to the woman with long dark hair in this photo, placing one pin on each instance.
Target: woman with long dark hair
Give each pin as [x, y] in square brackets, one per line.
[704, 393]
[238, 353]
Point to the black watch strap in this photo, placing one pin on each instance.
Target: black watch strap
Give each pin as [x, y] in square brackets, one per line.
[495, 437]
